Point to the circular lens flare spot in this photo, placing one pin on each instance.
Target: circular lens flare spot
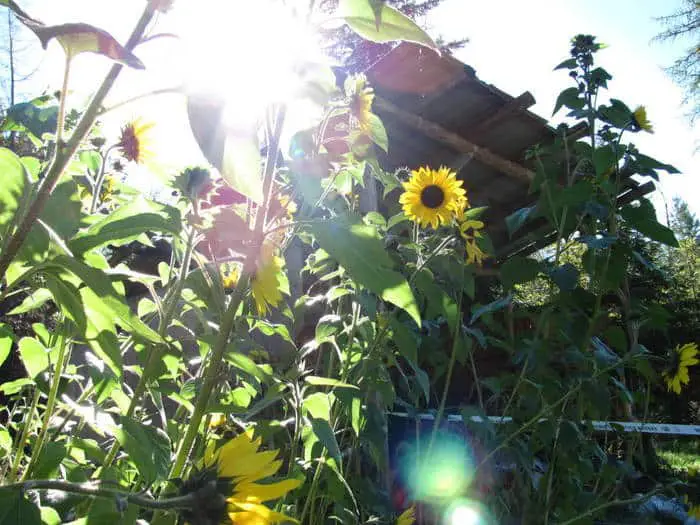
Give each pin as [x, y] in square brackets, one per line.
[467, 512]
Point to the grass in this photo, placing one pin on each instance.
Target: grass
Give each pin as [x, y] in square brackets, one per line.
[681, 455]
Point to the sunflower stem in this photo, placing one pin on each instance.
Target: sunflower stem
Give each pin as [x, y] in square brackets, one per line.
[64, 154]
[89, 489]
[61, 361]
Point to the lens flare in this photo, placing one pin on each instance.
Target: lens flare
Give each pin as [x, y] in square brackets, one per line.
[443, 472]
[467, 512]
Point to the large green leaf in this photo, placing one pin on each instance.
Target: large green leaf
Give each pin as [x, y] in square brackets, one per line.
[385, 25]
[107, 301]
[147, 446]
[6, 339]
[439, 303]
[126, 224]
[643, 219]
[15, 508]
[35, 117]
[325, 435]
[359, 249]
[234, 151]
[519, 269]
[61, 214]
[515, 220]
[34, 356]
[14, 180]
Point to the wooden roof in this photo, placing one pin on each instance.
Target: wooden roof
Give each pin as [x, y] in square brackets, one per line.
[437, 112]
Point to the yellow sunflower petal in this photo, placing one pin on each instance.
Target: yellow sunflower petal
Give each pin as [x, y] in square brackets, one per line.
[688, 351]
[259, 493]
[242, 513]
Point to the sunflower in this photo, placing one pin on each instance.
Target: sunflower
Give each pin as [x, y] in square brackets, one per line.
[135, 140]
[266, 280]
[682, 358]
[641, 121]
[433, 197]
[217, 420]
[408, 517]
[360, 97]
[227, 491]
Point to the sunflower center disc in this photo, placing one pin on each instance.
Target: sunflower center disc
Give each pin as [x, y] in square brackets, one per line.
[432, 197]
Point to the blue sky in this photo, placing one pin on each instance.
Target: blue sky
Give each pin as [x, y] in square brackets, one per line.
[513, 45]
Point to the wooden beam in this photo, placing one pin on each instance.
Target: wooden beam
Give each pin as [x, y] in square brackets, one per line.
[516, 105]
[458, 143]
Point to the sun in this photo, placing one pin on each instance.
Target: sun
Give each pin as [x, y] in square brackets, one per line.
[249, 54]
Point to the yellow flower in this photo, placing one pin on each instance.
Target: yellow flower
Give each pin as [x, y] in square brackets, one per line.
[217, 420]
[360, 97]
[266, 281]
[235, 470]
[433, 197]
[135, 140]
[641, 120]
[408, 517]
[229, 276]
[682, 358]
[475, 255]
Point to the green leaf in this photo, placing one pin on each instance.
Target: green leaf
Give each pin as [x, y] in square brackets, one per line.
[49, 516]
[327, 381]
[52, 454]
[100, 331]
[439, 303]
[12, 387]
[62, 213]
[34, 356]
[604, 159]
[76, 38]
[108, 302]
[327, 328]
[494, 306]
[515, 220]
[126, 224]
[565, 277]
[378, 132]
[148, 447]
[33, 301]
[318, 405]
[16, 509]
[246, 364]
[643, 219]
[570, 98]
[518, 270]
[5, 442]
[6, 340]
[92, 161]
[325, 435]
[34, 117]
[272, 329]
[396, 219]
[67, 299]
[405, 340]
[234, 152]
[567, 64]
[14, 181]
[359, 249]
[362, 18]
